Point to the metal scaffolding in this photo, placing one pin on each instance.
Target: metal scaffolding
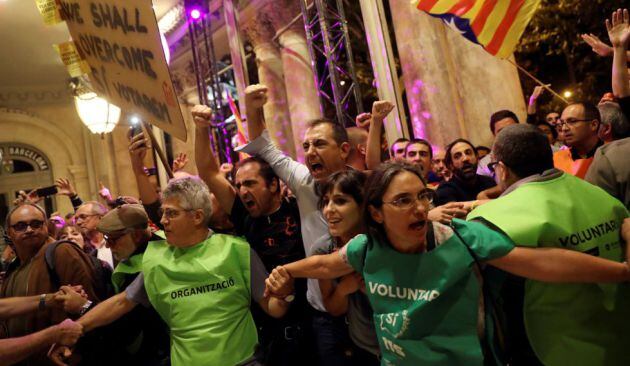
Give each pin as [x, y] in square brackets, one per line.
[332, 60]
[209, 87]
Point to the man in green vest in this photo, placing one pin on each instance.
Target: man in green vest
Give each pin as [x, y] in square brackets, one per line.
[143, 333]
[200, 283]
[566, 324]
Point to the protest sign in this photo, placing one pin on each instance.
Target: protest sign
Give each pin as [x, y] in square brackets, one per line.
[121, 42]
[49, 11]
[75, 65]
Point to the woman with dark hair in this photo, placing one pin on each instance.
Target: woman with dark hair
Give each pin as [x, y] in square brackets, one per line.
[73, 233]
[421, 277]
[341, 201]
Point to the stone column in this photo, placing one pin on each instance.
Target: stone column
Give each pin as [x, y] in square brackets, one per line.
[296, 61]
[270, 73]
[452, 85]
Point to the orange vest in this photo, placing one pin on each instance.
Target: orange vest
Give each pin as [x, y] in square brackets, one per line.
[562, 160]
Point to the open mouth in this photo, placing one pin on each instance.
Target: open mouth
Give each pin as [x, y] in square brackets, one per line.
[317, 167]
[249, 203]
[418, 225]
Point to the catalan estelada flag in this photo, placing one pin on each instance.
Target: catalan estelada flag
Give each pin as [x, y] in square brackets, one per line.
[240, 132]
[496, 25]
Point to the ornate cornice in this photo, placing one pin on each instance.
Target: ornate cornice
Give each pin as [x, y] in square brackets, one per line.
[12, 97]
[8, 110]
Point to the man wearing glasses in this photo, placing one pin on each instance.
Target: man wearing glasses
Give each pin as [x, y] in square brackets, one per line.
[28, 274]
[201, 284]
[87, 217]
[579, 126]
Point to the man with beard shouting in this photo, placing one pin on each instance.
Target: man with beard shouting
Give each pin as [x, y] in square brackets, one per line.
[466, 184]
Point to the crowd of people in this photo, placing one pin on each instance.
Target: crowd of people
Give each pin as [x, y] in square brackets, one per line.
[456, 255]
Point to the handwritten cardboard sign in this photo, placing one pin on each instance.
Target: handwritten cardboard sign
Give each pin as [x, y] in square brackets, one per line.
[120, 41]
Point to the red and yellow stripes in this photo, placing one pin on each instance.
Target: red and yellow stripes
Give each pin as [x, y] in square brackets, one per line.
[497, 24]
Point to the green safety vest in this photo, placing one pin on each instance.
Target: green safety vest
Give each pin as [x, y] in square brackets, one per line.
[203, 293]
[130, 266]
[569, 324]
[426, 304]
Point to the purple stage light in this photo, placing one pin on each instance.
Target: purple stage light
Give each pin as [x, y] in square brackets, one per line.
[195, 14]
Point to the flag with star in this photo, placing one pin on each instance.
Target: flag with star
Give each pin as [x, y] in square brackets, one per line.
[496, 25]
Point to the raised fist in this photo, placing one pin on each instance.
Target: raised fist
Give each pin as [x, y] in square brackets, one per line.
[255, 96]
[381, 108]
[202, 115]
[363, 120]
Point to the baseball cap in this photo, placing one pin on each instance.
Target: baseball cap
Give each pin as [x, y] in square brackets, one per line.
[128, 216]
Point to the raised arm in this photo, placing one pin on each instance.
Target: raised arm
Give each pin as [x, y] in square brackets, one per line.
[207, 165]
[65, 188]
[619, 33]
[138, 147]
[532, 106]
[255, 99]
[288, 170]
[561, 266]
[380, 110]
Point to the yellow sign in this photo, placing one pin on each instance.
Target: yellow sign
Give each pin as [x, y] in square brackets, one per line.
[49, 11]
[121, 42]
[70, 57]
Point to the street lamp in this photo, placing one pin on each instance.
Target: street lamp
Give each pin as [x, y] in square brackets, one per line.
[96, 113]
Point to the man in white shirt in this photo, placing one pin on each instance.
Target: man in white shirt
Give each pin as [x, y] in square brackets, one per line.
[87, 217]
[326, 148]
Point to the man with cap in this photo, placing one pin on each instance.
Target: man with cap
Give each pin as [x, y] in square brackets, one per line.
[141, 332]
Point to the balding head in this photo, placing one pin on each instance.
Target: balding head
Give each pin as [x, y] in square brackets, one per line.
[357, 136]
[26, 227]
[358, 144]
[88, 216]
[614, 125]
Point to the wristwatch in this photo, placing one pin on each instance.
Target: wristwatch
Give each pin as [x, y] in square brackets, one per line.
[42, 302]
[289, 298]
[85, 307]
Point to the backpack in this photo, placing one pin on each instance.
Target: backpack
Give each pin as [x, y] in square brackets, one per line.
[102, 271]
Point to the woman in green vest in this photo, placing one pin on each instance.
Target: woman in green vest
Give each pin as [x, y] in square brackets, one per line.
[423, 288]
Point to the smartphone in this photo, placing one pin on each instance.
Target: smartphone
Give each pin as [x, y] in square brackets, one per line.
[152, 171]
[46, 191]
[135, 130]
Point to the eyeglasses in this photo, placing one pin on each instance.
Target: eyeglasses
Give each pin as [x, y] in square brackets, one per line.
[408, 201]
[170, 214]
[84, 217]
[22, 226]
[570, 122]
[113, 238]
